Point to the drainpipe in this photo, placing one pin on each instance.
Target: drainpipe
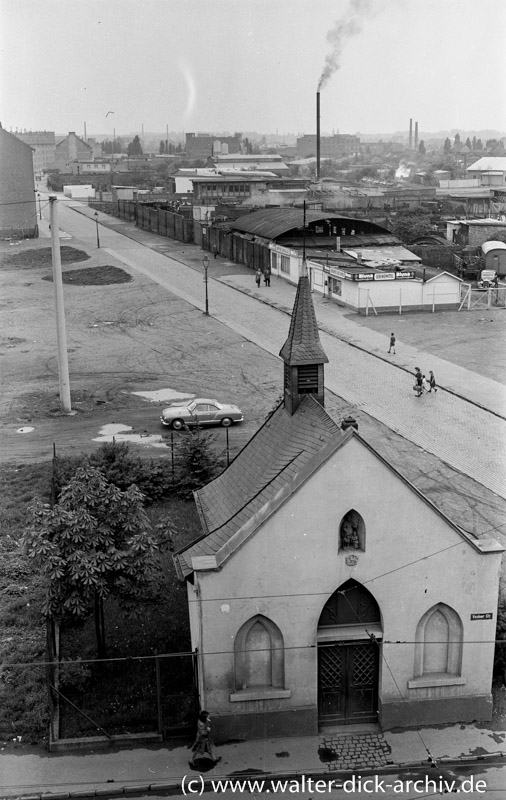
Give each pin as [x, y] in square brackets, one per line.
[202, 693]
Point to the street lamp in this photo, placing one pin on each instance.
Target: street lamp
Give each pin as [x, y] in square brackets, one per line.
[40, 207]
[96, 221]
[205, 262]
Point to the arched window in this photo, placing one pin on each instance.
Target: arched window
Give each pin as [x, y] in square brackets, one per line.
[259, 655]
[352, 532]
[351, 604]
[438, 647]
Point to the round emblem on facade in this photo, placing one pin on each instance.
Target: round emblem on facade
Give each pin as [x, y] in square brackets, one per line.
[351, 560]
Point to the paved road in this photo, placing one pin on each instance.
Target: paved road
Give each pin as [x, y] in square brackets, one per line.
[468, 438]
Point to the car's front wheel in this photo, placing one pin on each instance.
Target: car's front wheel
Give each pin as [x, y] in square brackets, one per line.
[226, 422]
[178, 424]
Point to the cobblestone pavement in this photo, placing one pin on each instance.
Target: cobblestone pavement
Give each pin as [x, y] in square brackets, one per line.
[463, 435]
[358, 751]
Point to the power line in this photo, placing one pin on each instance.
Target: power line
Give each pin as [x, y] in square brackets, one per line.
[187, 653]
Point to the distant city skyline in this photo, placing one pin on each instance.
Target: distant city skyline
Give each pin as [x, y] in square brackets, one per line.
[224, 65]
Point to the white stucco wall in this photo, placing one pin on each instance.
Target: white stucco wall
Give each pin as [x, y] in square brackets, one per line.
[291, 566]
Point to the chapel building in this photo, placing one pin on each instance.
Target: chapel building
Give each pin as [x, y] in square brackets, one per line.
[325, 589]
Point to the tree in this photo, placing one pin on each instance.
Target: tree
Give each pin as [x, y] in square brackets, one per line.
[135, 147]
[447, 145]
[421, 148]
[162, 149]
[456, 141]
[409, 226]
[197, 465]
[468, 143]
[93, 543]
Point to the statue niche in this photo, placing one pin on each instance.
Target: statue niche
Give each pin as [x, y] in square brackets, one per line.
[352, 532]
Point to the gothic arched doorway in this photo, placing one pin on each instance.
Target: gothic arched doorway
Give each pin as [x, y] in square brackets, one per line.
[348, 657]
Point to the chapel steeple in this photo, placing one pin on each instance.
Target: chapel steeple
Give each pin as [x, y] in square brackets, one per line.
[302, 352]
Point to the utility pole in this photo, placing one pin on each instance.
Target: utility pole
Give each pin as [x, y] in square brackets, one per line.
[61, 335]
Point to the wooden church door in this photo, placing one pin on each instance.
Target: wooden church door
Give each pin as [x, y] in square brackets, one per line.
[347, 682]
[348, 668]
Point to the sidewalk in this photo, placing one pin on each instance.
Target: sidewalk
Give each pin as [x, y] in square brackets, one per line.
[475, 388]
[361, 748]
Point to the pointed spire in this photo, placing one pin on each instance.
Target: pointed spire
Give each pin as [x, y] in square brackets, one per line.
[303, 353]
[303, 344]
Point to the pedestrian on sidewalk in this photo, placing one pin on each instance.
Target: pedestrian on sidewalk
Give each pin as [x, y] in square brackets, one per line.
[258, 277]
[432, 382]
[392, 343]
[418, 387]
[425, 384]
[215, 251]
[267, 276]
[203, 746]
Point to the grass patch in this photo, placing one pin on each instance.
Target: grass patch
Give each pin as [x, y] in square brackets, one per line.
[28, 259]
[23, 693]
[94, 276]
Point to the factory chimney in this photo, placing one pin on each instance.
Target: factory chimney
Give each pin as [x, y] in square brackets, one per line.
[416, 135]
[410, 134]
[317, 136]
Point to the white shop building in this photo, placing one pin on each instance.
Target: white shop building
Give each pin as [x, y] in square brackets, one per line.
[389, 285]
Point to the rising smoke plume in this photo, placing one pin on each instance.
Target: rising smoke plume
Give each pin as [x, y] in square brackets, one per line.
[350, 24]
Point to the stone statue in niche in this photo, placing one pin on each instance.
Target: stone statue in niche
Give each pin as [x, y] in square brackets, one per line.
[350, 539]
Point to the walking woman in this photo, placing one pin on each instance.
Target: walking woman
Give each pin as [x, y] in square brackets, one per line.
[203, 746]
[432, 382]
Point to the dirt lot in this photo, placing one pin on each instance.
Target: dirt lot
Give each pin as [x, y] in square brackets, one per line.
[122, 338]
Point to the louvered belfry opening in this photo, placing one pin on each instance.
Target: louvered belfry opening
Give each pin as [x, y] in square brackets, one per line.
[307, 379]
[302, 352]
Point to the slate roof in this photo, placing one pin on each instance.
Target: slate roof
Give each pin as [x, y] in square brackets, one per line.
[246, 491]
[303, 344]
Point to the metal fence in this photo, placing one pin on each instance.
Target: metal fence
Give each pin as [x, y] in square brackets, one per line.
[474, 299]
[113, 697]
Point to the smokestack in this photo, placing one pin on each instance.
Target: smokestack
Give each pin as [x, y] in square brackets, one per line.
[317, 136]
[416, 135]
[85, 131]
[410, 134]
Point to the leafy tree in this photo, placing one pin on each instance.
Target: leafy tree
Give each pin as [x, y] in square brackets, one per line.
[468, 143]
[479, 144]
[92, 543]
[409, 226]
[456, 141]
[473, 144]
[447, 145]
[421, 148]
[135, 147]
[162, 149]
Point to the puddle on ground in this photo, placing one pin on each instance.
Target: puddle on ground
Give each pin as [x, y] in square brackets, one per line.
[163, 395]
[118, 433]
[112, 428]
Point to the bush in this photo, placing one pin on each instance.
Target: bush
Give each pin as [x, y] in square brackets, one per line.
[122, 468]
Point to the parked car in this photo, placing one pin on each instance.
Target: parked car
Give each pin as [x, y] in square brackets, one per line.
[201, 412]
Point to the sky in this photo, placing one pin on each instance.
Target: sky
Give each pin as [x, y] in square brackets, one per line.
[252, 65]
